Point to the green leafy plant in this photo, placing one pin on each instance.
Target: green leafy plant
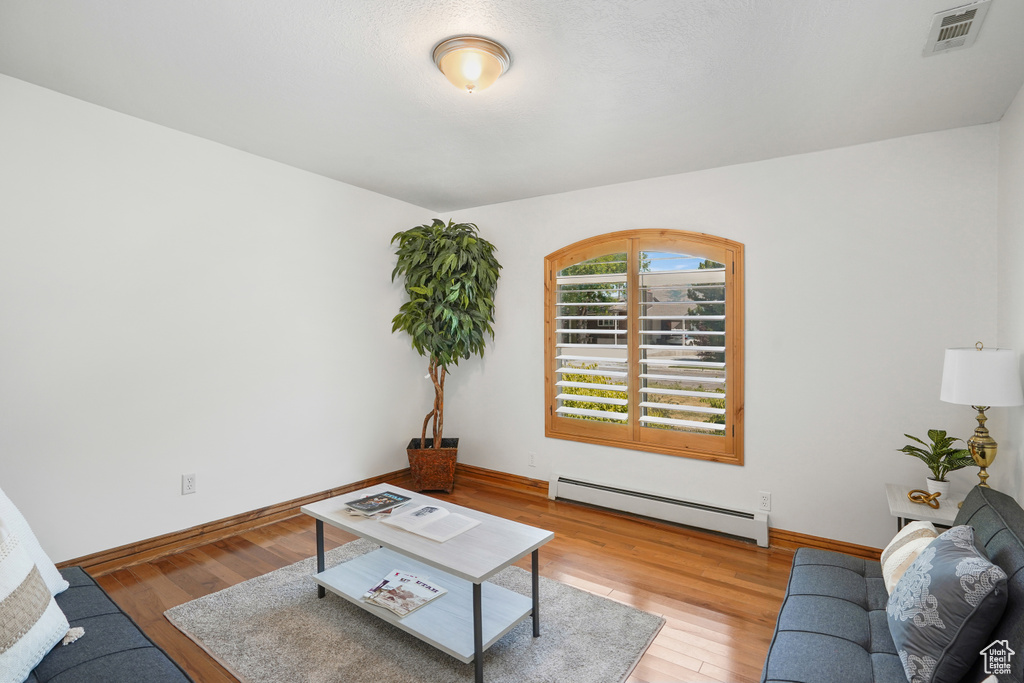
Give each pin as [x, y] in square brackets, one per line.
[939, 455]
[585, 392]
[451, 276]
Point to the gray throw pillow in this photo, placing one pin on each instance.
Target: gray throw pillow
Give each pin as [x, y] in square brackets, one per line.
[944, 608]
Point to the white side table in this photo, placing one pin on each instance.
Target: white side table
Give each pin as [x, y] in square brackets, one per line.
[905, 511]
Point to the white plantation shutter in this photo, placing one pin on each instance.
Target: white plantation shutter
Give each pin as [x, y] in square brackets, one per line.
[682, 343]
[643, 343]
[592, 345]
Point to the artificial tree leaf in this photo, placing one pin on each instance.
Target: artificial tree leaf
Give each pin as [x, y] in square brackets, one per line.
[450, 275]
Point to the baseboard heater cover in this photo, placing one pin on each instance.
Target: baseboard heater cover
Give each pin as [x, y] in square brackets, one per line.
[742, 523]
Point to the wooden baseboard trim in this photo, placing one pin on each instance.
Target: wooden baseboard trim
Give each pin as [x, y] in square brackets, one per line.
[777, 538]
[108, 561]
[791, 540]
[112, 560]
[514, 482]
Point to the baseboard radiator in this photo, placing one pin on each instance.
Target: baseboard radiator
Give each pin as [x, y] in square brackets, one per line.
[741, 523]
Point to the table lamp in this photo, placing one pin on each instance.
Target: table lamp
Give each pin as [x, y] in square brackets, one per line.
[981, 378]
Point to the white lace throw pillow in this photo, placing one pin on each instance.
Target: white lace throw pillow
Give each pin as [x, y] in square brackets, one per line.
[31, 623]
[903, 549]
[19, 527]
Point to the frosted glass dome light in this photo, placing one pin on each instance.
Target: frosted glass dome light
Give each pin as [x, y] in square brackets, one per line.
[471, 63]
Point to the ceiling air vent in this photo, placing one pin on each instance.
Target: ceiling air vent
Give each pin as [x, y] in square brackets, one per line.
[955, 29]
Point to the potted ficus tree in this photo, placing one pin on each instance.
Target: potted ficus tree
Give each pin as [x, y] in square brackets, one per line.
[940, 456]
[450, 278]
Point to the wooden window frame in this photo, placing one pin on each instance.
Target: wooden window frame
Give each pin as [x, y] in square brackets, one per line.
[727, 448]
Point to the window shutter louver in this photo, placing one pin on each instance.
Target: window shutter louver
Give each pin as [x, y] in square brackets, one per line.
[592, 345]
[644, 343]
[682, 343]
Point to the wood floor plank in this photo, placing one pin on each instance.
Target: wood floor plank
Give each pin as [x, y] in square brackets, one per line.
[654, 669]
[224, 573]
[734, 656]
[720, 596]
[728, 676]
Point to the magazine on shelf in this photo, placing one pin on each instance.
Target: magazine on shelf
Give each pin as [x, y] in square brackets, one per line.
[432, 521]
[403, 593]
[379, 502]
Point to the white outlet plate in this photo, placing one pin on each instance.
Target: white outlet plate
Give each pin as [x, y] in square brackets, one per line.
[764, 501]
[533, 459]
[188, 484]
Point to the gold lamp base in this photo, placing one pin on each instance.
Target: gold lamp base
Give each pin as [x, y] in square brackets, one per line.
[982, 446]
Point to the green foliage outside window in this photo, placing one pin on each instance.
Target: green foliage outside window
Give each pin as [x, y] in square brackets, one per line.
[583, 391]
[701, 417]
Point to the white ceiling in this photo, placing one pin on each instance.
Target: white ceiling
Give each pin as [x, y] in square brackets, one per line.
[599, 92]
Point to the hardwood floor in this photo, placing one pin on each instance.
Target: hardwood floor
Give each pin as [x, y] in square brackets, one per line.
[720, 597]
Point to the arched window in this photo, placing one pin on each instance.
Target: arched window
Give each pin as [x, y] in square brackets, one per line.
[644, 343]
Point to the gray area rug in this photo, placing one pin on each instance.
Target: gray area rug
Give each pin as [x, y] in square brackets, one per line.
[273, 629]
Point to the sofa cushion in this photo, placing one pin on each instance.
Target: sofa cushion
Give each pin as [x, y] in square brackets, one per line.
[832, 625]
[113, 649]
[944, 608]
[19, 526]
[30, 621]
[900, 561]
[805, 656]
[903, 549]
[908, 533]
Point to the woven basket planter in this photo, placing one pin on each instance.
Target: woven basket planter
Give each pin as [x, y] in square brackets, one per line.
[433, 470]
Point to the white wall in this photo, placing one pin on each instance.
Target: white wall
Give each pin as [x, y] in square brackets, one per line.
[863, 264]
[169, 305]
[1011, 274]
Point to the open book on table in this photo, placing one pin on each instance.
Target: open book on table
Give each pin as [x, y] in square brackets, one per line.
[431, 521]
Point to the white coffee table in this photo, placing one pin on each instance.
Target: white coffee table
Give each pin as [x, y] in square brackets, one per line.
[474, 614]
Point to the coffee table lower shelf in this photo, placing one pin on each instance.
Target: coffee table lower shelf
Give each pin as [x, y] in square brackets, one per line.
[445, 622]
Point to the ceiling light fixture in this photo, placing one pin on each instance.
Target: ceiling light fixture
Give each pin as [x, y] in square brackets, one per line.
[471, 63]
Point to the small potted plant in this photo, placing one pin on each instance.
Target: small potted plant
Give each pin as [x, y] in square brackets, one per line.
[451, 276]
[941, 458]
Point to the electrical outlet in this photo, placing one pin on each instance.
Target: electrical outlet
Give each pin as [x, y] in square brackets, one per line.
[188, 484]
[764, 501]
[533, 459]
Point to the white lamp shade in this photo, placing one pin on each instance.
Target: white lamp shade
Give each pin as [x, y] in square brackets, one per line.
[986, 377]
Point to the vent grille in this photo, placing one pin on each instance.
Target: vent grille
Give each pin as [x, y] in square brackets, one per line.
[959, 18]
[956, 28]
[954, 31]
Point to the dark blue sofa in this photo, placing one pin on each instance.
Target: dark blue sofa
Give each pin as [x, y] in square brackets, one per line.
[113, 649]
[833, 627]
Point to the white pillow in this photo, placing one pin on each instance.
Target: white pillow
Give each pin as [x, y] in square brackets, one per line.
[19, 527]
[903, 549]
[901, 560]
[31, 623]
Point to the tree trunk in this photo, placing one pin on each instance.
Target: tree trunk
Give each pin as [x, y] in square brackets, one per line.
[439, 407]
[437, 412]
